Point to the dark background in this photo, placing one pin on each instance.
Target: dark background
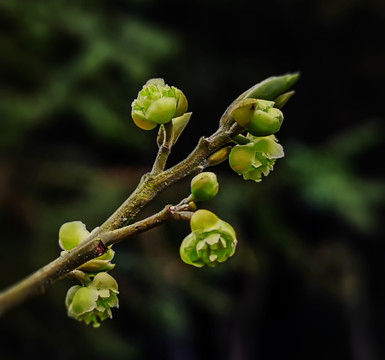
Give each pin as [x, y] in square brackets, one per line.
[307, 279]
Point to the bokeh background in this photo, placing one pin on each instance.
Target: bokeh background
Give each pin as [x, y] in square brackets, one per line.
[307, 279]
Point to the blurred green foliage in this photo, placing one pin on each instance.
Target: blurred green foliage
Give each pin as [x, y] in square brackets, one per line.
[306, 281]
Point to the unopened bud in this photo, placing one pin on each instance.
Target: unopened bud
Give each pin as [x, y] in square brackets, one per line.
[271, 87]
[265, 123]
[204, 186]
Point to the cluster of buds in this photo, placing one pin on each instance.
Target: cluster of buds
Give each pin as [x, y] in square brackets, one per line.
[258, 111]
[256, 158]
[157, 103]
[72, 234]
[92, 303]
[210, 242]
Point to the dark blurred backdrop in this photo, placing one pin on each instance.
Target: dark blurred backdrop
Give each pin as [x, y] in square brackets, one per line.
[307, 279]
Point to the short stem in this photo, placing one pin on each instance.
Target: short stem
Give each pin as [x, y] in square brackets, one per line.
[241, 140]
[164, 149]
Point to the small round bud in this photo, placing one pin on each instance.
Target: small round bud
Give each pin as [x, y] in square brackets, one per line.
[192, 205]
[204, 186]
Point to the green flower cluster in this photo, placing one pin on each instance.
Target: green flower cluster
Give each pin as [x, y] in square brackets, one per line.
[210, 242]
[92, 303]
[72, 234]
[256, 158]
[157, 103]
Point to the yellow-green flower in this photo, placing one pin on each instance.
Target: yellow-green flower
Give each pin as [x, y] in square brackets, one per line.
[157, 103]
[210, 242]
[256, 158]
[92, 303]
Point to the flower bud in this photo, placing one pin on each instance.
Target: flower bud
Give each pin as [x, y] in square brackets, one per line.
[93, 303]
[265, 122]
[157, 103]
[211, 241]
[204, 186]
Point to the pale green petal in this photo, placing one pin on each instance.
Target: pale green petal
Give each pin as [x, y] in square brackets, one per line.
[83, 301]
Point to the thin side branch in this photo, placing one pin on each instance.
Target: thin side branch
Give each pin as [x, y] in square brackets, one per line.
[164, 148]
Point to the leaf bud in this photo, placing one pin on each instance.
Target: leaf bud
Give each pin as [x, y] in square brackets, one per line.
[219, 156]
[271, 87]
[204, 186]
